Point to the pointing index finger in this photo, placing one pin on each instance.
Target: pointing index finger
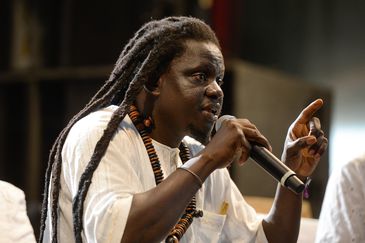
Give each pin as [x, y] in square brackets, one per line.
[308, 112]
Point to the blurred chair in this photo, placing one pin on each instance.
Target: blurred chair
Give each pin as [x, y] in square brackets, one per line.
[308, 225]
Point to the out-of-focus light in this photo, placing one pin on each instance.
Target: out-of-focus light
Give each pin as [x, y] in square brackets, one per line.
[205, 4]
[346, 143]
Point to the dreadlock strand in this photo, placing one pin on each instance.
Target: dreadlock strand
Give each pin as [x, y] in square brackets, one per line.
[126, 49]
[46, 189]
[121, 84]
[52, 176]
[115, 82]
[101, 147]
[57, 164]
[55, 180]
[54, 202]
[85, 179]
[137, 36]
[127, 79]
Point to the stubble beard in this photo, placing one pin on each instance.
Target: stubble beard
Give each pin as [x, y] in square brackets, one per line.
[199, 135]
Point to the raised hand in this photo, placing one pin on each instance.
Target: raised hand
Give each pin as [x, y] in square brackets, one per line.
[305, 142]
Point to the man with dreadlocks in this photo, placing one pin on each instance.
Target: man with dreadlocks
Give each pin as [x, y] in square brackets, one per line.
[129, 167]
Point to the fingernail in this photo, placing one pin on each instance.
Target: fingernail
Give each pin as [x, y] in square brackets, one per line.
[311, 152]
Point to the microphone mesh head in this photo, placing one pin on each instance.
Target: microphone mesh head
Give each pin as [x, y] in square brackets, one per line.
[221, 119]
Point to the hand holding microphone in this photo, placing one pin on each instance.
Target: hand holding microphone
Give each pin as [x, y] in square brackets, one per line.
[270, 163]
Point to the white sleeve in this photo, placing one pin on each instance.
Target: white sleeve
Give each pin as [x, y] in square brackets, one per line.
[114, 183]
[342, 217]
[14, 222]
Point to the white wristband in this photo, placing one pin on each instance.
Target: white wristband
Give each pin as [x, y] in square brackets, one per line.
[285, 177]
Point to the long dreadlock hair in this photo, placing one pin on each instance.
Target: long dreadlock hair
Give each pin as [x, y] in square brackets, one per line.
[146, 56]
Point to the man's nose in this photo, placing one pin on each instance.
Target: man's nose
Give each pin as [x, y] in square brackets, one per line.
[214, 91]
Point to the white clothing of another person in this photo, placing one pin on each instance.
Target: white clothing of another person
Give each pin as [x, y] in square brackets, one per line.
[14, 222]
[342, 217]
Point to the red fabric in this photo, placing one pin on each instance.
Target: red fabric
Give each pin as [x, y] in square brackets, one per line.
[222, 19]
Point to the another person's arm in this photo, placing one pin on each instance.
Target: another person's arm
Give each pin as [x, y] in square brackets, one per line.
[15, 225]
[342, 217]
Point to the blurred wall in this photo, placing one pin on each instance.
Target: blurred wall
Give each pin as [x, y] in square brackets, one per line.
[272, 100]
[321, 42]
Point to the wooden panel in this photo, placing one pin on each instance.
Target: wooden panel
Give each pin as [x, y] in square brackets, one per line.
[272, 100]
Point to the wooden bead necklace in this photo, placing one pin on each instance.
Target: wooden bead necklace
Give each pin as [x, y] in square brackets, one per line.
[144, 127]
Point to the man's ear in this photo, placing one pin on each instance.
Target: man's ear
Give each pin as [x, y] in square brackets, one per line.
[154, 88]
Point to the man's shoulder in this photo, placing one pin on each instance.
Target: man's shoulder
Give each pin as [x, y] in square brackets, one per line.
[97, 118]
[92, 126]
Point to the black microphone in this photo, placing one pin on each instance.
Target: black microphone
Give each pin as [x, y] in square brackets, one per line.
[270, 163]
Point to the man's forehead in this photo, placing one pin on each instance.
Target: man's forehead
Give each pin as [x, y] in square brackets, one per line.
[204, 52]
[203, 47]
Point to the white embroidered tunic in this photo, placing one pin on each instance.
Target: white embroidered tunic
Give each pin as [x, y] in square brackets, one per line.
[125, 170]
[342, 217]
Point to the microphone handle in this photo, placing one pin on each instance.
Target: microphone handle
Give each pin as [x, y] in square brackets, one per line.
[277, 169]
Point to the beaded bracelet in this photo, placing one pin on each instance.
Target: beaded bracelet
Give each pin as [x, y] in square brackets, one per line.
[195, 175]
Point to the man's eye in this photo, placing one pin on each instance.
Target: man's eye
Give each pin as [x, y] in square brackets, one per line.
[201, 77]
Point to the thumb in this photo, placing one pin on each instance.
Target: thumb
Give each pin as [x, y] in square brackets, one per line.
[300, 144]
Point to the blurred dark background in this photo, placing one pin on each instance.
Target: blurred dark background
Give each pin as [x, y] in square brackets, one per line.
[54, 55]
